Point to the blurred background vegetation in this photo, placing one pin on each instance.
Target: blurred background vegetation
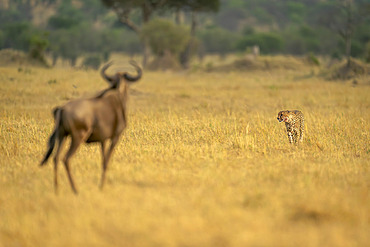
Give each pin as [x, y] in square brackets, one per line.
[172, 30]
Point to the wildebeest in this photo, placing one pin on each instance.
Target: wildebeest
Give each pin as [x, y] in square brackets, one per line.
[97, 119]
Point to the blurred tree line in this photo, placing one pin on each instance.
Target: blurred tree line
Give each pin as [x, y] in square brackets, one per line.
[69, 29]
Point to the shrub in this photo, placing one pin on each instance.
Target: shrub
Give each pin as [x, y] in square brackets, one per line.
[17, 35]
[164, 36]
[268, 42]
[92, 61]
[2, 39]
[38, 44]
[367, 52]
[217, 40]
[312, 59]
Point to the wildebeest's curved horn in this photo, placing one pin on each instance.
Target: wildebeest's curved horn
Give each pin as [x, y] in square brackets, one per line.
[104, 75]
[139, 71]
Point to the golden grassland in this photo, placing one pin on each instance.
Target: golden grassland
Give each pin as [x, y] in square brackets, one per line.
[203, 162]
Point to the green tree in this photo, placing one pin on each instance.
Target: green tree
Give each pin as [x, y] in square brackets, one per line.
[367, 52]
[268, 42]
[67, 16]
[164, 36]
[295, 11]
[25, 7]
[38, 45]
[93, 9]
[166, 40]
[218, 40]
[17, 35]
[92, 61]
[124, 8]
[194, 7]
[301, 40]
[64, 44]
[343, 17]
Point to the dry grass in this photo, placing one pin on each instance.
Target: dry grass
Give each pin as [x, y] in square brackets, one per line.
[204, 162]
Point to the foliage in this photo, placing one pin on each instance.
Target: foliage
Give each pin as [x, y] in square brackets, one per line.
[268, 42]
[287, 17]
[83, 39]
[298, 27]
[312, 59]
[2, 38]
[10, 16]
[17, 35]
[195, 5]
[92, 61]
[301, 40]
[123, 9]
[68, 15]
[163, 35]
[93, 9]
[64, 44]
[217, 40]
[63, 21]
[38, 45]
[231, 19]
[367, 52]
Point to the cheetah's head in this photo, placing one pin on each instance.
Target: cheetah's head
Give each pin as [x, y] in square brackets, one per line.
[283, 116]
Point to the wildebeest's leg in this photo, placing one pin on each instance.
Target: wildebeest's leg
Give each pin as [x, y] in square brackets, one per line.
[72, 149]
[77, 139]
[56, 160]
[106, 158]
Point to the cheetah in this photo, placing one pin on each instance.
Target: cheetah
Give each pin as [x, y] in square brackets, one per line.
[294, 122]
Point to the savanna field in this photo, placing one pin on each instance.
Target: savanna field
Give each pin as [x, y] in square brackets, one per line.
[203, 162]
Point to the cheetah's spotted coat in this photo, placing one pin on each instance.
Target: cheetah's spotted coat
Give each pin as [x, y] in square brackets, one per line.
[294, 122]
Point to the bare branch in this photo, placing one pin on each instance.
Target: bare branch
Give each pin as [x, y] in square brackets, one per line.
[123, 16]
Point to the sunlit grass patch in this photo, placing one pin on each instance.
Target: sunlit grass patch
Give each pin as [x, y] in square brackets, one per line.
[203, 162]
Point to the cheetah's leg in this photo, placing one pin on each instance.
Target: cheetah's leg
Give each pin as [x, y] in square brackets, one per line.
[301, 137]
[301, 132]
[290, 136]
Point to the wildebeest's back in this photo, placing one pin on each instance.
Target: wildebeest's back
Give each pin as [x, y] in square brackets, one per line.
[109, 119]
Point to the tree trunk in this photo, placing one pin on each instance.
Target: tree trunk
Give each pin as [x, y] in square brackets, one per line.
[179, 17]
[146, 12]
[73, 61]
[54, 59]
[146, 53]
[349, 30]
[348, 50]
[123, 16]
[185, 55]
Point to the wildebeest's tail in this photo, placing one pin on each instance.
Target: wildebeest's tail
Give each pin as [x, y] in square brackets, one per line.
[51, 143]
